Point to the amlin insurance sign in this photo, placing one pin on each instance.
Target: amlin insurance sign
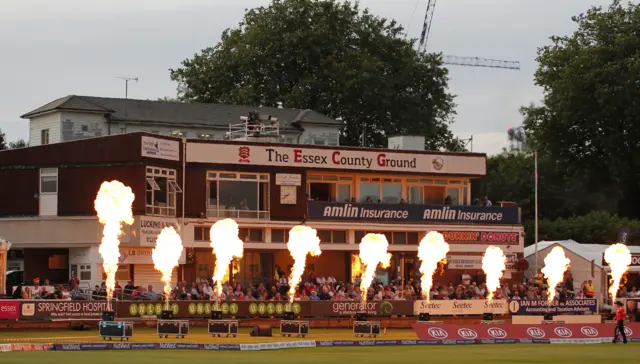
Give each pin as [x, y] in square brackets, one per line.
[328, 158]
[409, 213]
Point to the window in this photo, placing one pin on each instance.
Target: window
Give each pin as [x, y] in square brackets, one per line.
[48, 180]
[279, 235]
[201, 233]
[332, 236]
[161, 191]
[85, 272]
[385, 190]
[394, 238]
[44, 136]
[329, 188]
[238, 195]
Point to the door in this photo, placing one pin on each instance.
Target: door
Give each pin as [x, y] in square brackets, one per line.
[267, 268]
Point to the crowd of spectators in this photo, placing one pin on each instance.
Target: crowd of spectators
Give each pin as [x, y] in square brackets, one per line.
[468, 286]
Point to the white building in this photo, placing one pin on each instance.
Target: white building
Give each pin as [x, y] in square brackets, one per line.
[79, 117]
[586, 262]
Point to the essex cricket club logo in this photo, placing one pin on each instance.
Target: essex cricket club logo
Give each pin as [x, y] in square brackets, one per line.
[244, 153]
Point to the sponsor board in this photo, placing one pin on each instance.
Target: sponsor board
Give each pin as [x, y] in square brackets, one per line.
[461, 307]
[542, 307]
[191, 309]
[513, 333]
[408, 213]
[61, 309]
[150, 227]
[9, 309]
[160, 148]
[330, 158]
[474, 262]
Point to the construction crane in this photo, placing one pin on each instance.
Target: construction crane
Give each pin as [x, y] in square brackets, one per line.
[457, 60]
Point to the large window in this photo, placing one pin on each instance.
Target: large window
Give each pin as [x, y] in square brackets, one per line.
[393, 237]
[48, 180]
[238, 195]
[329, 188]
[162, 188]
[384, 190]
[332, 236]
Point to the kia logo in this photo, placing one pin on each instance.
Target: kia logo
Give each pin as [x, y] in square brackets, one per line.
[467, 333]
[437, 333]
[535, 332]
[628, 331]
[589, 331]
[563, 332]
[497, 333]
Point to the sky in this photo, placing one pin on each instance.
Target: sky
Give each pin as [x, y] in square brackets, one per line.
[50, 49]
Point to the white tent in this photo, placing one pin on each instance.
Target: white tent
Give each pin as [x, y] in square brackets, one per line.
[586, 261]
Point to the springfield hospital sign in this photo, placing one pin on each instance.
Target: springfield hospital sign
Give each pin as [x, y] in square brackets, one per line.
[335, 158]
[409, 213]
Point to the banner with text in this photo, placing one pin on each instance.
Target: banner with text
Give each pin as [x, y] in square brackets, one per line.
[9, 309]
[61, 310]
[407, 213]
[462, 307]
[330, 158]
[542, 307]
[516, 332]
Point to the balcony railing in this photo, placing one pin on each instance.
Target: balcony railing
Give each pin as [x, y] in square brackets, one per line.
[412, 213]
[220, 212]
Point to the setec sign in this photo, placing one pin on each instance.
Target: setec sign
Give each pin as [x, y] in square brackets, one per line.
[408, 213]
[328, 158]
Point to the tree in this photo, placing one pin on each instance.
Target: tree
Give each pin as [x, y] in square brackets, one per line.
[596, 227]
[3, 141]
[330, 57]
[20, 143]
[587, 124]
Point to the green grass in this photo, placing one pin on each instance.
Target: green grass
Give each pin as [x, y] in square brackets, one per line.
[494, 354]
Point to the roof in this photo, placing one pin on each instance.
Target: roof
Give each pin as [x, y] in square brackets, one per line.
[587, 251]
[171, 112]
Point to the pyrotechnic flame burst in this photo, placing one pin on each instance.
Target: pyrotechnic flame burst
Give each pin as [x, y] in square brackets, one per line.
[493, 265]
[303, 240]
[373, 251]
[432, 249]
[555, 264]
[113, 206]
[356, 267]
[226, 245]
[618, 257]
[166, 256]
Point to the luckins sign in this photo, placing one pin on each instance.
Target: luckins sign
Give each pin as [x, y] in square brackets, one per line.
[328, 158]
[408, 213]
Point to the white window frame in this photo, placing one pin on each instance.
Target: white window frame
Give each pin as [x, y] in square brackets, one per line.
[152, 186]
[336, 179]
[48, 172]
[215, 211]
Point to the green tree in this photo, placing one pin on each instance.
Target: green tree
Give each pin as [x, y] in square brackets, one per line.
[330, 57]
[596, 227]
[20, 143]
[3, 141]
[587, 124]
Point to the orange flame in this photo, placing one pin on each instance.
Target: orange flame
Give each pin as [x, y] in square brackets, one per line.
[226, 245]
[555, 264]
[373, 251]
[493, 264]
[113, 206]
[618, 257]
[356, 267]
[303, 240]
[432, 249]
[166, 256]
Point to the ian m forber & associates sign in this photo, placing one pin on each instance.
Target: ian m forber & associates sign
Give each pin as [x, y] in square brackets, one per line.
[408, 213]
